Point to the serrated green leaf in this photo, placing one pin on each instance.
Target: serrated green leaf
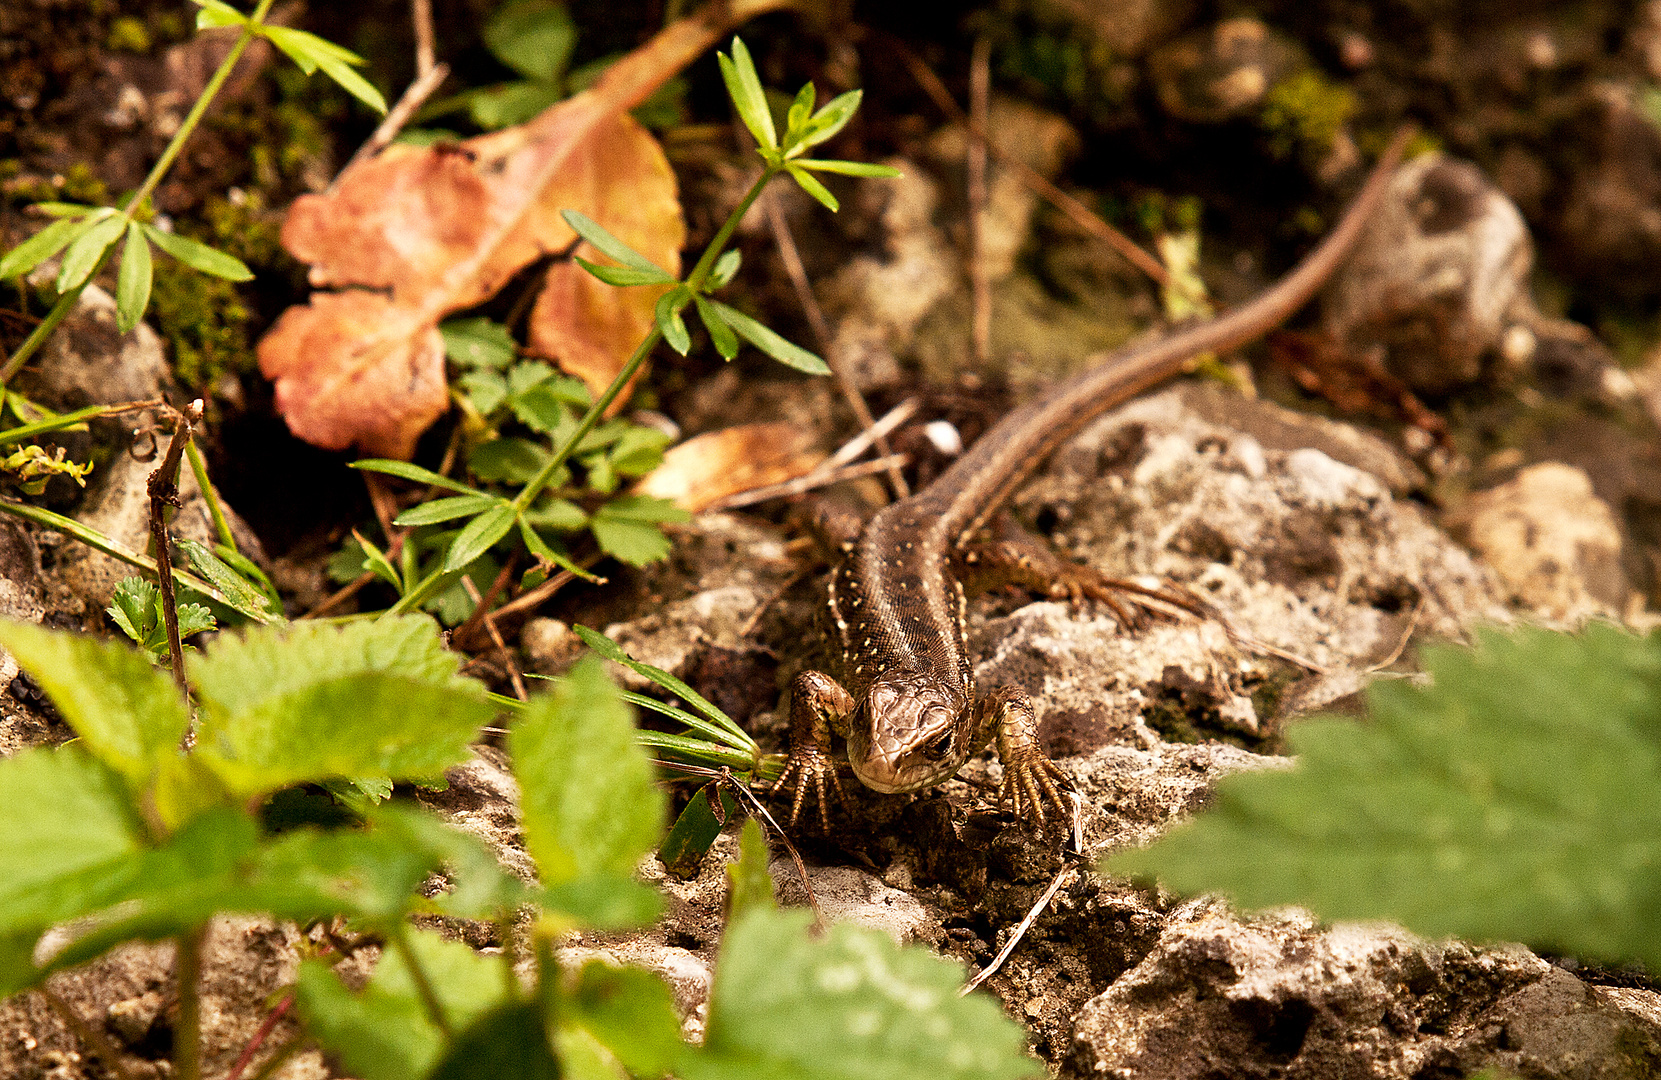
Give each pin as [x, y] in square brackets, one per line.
[630, 1012]
[543, 407]
[405, 471]
[511, 460]
[533, 37]
[485, 389]
[133, 607]
[630, 540]
[625, 276]
[848, 168]
[478, 343]
[507, 1043]
[480, 535]
[667, 314]
[638, 450]
[855, 1004]
[589, 804]
[810, 184]
[446, 509]
[769, 342]
[236, 590]
[610, 246]
[744, 88]
[87, 251]
[750, 886]
[42, 246]
[128, 714]
[720, 334]
[132, 280]
[199, 256]
[725, 267]
[831, 119]
[1514, 798]
[216, 14]
[195, 619]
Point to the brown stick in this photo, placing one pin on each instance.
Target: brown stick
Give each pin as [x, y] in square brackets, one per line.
[980, 277]
[164, 492]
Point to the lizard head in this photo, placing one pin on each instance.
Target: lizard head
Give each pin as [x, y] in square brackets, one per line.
[912, 732]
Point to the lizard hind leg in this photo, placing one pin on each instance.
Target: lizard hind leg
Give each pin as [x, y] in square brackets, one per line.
[817, 703]
[1031, 779]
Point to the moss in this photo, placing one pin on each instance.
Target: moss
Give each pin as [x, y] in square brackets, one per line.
[128, 34]
[1306, 111]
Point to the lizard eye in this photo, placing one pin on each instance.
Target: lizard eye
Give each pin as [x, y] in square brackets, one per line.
[940, 747]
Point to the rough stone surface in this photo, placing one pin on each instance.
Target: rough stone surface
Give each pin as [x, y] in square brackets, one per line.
[1438, 276]
[1554, 544]
[1222, 72]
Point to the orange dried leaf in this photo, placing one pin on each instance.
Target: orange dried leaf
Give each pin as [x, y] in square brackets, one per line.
[709, 467]
[438, 229]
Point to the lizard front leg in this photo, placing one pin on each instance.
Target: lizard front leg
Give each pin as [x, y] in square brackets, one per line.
[817, 703]
[1031, 779]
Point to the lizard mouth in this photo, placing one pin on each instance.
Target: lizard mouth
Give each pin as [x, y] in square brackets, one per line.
[892, 776]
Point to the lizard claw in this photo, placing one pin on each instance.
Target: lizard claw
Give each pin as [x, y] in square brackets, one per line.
[809, 769]
[1030, 781]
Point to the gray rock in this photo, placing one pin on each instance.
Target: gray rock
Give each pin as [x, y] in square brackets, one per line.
[1224, 71]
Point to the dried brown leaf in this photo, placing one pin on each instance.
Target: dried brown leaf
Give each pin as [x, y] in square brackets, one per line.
[437, 229]
[709, 467]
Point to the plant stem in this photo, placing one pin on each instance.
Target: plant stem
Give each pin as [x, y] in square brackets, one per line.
[187, 1033]
[97, 541]
[695, 282]
[164, 493]
[199, 469]
[70, 419]
[66, 302]
[423, 985]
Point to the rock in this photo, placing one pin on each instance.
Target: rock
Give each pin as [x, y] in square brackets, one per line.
[1277, 995]
[1437, 278]
[550, 646]
[1126, 28]
[87, 361]
[482, 798]
[1610, 216]
[849, 894]
[1552, 542]
[1223, 72]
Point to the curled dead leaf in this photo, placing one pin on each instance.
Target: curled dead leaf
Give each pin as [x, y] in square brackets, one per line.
[711, 466]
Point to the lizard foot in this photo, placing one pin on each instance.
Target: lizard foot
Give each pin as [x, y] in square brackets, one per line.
[808, 769]
[1032, 781]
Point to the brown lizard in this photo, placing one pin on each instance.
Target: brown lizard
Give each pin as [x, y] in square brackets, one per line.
[909, 711]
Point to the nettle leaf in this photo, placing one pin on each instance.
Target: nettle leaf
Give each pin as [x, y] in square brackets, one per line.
[383, 1032]
[508, 1043]
[628, 1011]
[589, 803]
[1515, 798]
[744, 87]
[769, 342]
[478, 343]
[128, 714]
[132, 282]
[310, 702]
[855, 1005]
[485, 389]
[627, 528]
[199, 256]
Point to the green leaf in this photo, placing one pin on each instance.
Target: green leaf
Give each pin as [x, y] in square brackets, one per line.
[508, 1043]
[744, 87]
[541, 549]
[376, 562]
[611, 247]
[42, 246]
[624, 275]
[848, 168]
[725, 267]
[638, 450]
[854, 1004]
[384, 1033]
[511, 460]
[627, 529]
[133, 607]
[630, 1012]
[812, 186]
[311, 52]
[831, 119]
[668, 317]
[560, 515]
[309, 701]
[199, 256]
[85, 253]
[613, 652]
[478, 343]
[696, 828]
[480, 535]
[543, 407]
[506, 104]
[750, 885]
[1514, 798]
[238, 593]
[128, 714]
[216, 14]
[132, 282]
[796, 119]
[446, 509]
[533, 37]
[65, 210]
[405, 471]
[602, 902]
[485, 389]
[588, 800]
[720, 334]
[770, 343]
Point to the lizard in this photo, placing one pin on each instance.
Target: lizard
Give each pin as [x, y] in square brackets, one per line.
[909, 712]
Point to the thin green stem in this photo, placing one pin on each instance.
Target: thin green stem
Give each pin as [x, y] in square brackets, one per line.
[199, 468]
[66, 302]
[69, 420]
[706, 262]
[97, 541]
[187, 1031]
[423, 984]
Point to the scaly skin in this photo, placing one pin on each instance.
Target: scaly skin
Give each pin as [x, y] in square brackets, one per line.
[909, 711]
